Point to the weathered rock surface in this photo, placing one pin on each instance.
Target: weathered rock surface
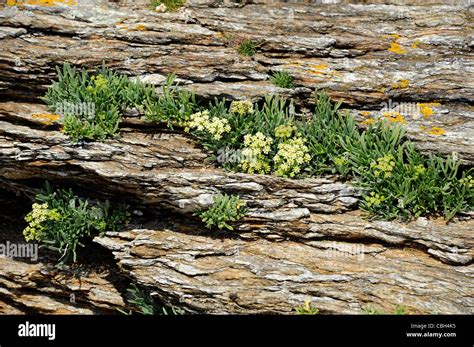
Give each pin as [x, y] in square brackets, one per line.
[224, 275]
[40, 288]
[295, 241]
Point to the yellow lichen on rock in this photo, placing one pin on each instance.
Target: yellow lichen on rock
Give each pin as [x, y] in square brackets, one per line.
[426, 109]
[437, 131]
[394, 117]
[397, 48]
[415, 44]
[318, 69]
[401, 84]
[46, 118]
[141, 27]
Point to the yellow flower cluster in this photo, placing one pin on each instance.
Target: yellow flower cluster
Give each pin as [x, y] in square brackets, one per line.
[284, 131]
[100, 82]
[291, 155]
[215, 126]
[468, 181]
[340, 161]
[254, 154]
[383, 166]
[40, 213]
[241, 107]
[374, 199]
[419, 169]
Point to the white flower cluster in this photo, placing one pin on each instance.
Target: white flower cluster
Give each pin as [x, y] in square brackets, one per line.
[215, 126]
[256, 148]
[241, 107]
[291, 155]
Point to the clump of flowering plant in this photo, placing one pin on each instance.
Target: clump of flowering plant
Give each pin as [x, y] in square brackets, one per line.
[203, 122]
[255, 153]
[291, 156]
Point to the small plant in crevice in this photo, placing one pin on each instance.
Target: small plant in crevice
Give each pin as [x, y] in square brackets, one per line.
[174, 106]
[224, 210]
[282, 79]
[171, 5]
[143, 303]
[398, 310]
[60, 220]
[307, 309]
[247, 48]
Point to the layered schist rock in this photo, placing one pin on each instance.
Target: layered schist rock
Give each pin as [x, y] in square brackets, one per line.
[302, 239]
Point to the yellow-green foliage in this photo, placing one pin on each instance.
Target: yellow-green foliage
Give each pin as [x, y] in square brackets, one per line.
[307, 309]
[224, 210]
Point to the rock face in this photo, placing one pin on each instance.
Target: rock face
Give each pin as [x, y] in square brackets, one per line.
[302, 239]
[223, 275]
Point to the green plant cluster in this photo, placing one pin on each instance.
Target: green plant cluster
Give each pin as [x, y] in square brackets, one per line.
[60, 220]
[266, 137]
[247, 48]
[143, 303]
[398, 310]
[224, 209]
[112, 93]
[398, 180]
[282, 79]
[171, 5]
[108, 91]
[307, 309]
[173, 106]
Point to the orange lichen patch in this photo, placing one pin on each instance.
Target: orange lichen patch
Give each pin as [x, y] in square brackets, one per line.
[426, 108]
[426, 111]
[396, 48]
[365, 113]
[394, 117]
[141, 27]
[437, 131]
[41, 2]
[318, 69]
[415, 44]
[46, 118]
[402, 84]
